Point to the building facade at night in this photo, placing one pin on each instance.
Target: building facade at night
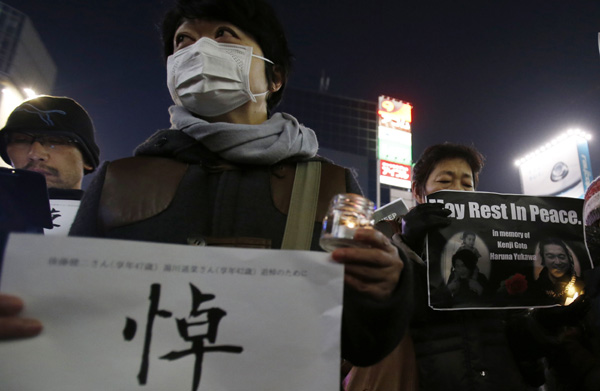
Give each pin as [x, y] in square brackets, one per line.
[26, 67]
[347, 131]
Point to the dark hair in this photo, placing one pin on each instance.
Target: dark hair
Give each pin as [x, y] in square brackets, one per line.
[467, 256]
[468, 233]
[255, 17]
[439, 152]
[558, 242]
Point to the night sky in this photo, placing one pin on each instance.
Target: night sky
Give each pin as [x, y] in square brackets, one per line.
[504, 75]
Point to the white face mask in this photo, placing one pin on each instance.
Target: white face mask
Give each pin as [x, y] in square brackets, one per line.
[210, 78]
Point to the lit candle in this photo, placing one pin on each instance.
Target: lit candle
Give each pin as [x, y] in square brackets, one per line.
[346, 214]
[570, 291]
[571, 298]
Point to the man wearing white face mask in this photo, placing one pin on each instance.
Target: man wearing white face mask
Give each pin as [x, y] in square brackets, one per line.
[224, 173]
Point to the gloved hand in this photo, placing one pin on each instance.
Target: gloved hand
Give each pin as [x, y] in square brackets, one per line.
[420, 220]
[567, 344]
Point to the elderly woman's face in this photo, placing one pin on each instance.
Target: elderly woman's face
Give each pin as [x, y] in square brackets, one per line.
[556, 260]
[449, 174]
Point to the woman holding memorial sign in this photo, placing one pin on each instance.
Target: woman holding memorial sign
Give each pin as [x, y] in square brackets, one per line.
[454, 350]
[464, 349]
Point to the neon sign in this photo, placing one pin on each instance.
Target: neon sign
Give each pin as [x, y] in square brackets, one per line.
[395, 174]
[395, 114]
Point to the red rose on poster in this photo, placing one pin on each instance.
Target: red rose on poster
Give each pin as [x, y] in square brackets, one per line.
[516, 285]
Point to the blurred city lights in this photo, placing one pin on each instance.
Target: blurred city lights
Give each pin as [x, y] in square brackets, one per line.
[30, 93]
[11, 98]
[568, 135]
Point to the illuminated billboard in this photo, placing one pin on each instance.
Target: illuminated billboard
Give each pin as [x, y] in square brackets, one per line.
[560, 168]
[394, 174]
[394, 142]
[394, 145]
[394, 113]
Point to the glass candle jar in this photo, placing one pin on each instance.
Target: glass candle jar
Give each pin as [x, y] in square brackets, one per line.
[347, 213]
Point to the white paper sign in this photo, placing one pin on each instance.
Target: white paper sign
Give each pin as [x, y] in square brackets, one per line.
[63, 214]
[118, 313]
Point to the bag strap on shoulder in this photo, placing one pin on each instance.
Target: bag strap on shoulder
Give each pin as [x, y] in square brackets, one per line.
[303, 207]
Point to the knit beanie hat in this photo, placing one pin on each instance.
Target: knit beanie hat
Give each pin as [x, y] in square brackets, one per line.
[60, 116]
[591, 205]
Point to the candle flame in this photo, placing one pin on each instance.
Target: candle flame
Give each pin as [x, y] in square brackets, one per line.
[569, 299]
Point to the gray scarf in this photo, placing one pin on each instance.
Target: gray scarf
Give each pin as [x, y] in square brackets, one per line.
[278, 138]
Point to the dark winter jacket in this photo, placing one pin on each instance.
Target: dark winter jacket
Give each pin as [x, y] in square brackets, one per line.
[176, 191]
[460, 350]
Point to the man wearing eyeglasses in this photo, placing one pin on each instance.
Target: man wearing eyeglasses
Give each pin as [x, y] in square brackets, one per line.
[53, 136]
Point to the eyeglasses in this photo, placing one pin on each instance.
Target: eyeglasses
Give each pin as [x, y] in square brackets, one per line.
[26, 139]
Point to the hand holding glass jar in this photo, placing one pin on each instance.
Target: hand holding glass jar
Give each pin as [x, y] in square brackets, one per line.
[347, 213]
[372, 263]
